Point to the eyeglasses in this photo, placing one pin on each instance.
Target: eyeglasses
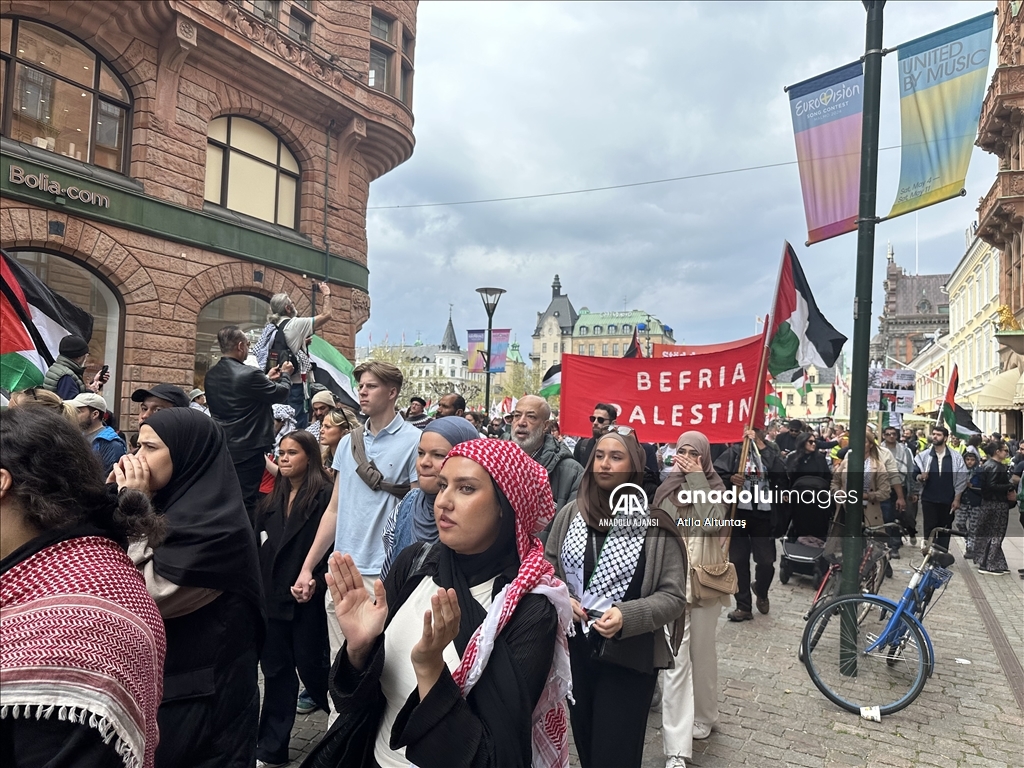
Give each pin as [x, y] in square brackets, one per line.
[615, 429]
[598, 420]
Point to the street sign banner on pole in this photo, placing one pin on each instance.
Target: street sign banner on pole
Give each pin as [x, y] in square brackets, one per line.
[942, 84]
[476, 351]
[827, 113]
[499, 349]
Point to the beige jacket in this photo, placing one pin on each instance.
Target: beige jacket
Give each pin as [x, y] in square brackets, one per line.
[879, 483]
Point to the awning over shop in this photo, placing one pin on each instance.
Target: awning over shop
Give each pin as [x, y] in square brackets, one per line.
[999, 394]
[1018, 397]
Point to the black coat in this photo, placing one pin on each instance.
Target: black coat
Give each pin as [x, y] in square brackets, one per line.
[445, 730]
[995, 481]
[283, 550]
[239, 397]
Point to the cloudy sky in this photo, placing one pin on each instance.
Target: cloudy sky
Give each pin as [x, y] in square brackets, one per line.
[528, 98]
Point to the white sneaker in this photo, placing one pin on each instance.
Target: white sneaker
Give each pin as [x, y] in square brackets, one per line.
[675, 761]
[701, 730]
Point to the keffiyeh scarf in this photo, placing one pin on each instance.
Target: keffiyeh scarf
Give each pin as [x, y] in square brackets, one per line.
[266, 341]
[525, 483]
[286, 414]
[614, 566]
[81, 640]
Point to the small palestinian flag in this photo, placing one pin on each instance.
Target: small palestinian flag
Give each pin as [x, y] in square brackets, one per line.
[832, 401]
[957, 420]
[551, 385]
[634, 349]
[33, 320]
[802, 384]
[800, 334]
[334, 371]
[773, 401]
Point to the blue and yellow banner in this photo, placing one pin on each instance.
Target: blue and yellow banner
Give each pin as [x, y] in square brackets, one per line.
[942, 80]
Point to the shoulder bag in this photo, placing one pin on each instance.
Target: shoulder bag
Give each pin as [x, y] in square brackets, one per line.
[368, 471]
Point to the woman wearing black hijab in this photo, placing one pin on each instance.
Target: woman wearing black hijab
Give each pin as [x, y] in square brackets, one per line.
[808, 471]
[206, 582]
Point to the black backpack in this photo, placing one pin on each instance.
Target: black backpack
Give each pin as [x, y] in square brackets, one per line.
[279, 352]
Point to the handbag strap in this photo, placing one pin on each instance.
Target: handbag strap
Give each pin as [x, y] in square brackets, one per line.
[368, 471]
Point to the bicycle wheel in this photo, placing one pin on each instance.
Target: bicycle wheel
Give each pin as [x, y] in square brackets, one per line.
[835, 647]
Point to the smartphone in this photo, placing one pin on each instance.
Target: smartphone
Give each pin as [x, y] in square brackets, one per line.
[102, 374]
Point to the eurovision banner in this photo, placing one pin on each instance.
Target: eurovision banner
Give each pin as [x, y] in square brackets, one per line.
[943, 77]
[684, 350]
[477, 350]
[663, 397]
[827, 113]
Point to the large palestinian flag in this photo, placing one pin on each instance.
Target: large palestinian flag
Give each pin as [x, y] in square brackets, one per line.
[33, 320]
[334, 371]
[957, 420]
[800, 334]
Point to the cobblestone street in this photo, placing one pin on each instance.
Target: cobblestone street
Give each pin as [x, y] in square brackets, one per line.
[773, 715]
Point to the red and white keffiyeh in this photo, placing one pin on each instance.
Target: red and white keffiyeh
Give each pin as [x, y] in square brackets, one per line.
[81, 640]
[525, 483]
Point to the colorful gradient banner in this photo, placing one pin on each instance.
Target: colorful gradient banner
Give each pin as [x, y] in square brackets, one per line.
[477, 350]
[827, 113]
[942, 84]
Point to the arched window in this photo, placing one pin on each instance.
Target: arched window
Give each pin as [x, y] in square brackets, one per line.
[250, 170]
[58, 95]
[80, 286]
[597, 330]
[627, 328]
[249, 313]
[612, 330]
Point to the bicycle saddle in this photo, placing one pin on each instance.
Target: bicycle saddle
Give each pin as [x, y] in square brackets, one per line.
[943, 559]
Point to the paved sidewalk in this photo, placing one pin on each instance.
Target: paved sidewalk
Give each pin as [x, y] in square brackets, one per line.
[771, 713]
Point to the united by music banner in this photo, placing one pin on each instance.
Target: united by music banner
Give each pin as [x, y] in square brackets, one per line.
[827, 112]
[942, 81]
[477, 350]
[661, 398]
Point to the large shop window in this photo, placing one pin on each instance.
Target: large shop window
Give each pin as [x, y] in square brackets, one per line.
[80, 286]
[60, 96]
[249, 313]
[250, 170]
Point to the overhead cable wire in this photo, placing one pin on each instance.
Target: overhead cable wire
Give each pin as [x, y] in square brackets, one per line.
[599, 189]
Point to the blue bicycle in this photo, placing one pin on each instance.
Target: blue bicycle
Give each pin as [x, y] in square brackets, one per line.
[866, 651]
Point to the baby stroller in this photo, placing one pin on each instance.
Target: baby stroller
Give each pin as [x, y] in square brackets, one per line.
[803, 546]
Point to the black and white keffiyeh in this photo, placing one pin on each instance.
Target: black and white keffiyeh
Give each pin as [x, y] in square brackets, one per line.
[615, 564]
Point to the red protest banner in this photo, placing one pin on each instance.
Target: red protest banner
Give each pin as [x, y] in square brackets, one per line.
[663, 397]
[685, 350]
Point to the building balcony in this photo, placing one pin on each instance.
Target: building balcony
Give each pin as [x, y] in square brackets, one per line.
[1002, 110]
[1001, 210]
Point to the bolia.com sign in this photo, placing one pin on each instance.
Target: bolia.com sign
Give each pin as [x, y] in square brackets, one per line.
[44, 183]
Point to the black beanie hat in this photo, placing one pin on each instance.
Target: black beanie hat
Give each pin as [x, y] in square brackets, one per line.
[73, 346]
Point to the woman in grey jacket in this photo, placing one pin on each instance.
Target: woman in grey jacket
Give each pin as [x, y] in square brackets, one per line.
[626, 573]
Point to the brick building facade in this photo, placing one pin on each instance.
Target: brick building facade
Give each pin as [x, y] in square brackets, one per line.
[175, 163]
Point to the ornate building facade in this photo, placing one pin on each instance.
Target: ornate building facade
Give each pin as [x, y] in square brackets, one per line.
[172, 164]
[553, 333]
[914, 310]
[1001, 211]
[608, 334]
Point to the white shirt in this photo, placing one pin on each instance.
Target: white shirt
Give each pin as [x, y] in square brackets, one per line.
[398, 679]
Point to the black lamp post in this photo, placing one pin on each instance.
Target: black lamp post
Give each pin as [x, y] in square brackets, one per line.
[490, 297]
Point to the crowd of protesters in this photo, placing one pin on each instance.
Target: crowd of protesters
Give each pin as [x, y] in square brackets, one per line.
[453, 590]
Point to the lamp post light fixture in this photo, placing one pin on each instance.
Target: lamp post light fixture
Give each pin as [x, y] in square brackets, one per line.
[490, 298]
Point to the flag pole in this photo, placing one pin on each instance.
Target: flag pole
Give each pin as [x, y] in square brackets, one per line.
[758, 396]
[853, 541]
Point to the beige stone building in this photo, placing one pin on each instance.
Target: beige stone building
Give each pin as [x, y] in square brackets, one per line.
[553, 333]
[1001, 210]
[171, 164]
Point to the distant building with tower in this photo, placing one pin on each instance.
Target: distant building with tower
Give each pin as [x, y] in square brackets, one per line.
[553, 333]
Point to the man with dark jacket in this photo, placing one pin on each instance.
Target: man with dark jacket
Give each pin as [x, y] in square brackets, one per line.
[64, 377]
[239, 398]
[529, 432]
[604, 415]
[763, 474]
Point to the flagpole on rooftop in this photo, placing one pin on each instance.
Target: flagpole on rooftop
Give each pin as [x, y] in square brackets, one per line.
[853, 542]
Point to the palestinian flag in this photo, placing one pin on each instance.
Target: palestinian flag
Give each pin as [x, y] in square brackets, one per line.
[33, 320]
[956, 419]
[634, 349]
[334, 371]
[551, 385]
[800, 334]
[832, 400]
[802, 384]
[773, 401]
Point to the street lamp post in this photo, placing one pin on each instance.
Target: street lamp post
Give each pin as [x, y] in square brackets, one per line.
[490, 297]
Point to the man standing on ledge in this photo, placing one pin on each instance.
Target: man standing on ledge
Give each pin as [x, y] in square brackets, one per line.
[240, 399]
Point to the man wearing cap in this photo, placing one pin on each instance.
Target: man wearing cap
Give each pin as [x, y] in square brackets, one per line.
[415, 414]
[64, 377]
[321, 405]
[240, 399]
[106, 443]
[197, 401]
[157, 398]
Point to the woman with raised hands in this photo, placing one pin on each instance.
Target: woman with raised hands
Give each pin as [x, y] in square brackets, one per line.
[626, 573]
[460, 656]
[690, 697]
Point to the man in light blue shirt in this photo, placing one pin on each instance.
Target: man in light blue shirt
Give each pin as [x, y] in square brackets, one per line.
[354, 519]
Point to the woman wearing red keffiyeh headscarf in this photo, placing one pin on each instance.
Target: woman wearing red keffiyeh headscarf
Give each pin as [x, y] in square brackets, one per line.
[81, 641]
[460, 657]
